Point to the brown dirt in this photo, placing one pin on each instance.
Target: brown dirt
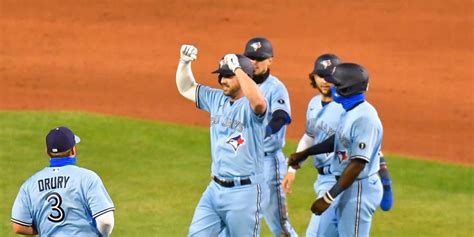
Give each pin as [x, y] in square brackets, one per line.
[119, 57]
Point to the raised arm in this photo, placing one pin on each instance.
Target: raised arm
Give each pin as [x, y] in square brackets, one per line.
[248, 86]
[184, 76]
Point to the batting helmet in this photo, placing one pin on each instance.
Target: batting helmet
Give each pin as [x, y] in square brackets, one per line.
[258, 49]
[349, 79]
[324, 65]
[245, 65]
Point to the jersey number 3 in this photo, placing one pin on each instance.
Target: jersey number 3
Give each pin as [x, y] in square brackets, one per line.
[57, 214]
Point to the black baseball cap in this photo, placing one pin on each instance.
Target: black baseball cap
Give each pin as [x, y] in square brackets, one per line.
[259, 49]
[324, 65]
[245, 64]
[61, 139]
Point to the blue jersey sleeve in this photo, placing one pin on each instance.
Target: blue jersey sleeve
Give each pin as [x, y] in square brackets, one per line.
[21, 213]
[365, 138]
[207, 97]
[313, 108]
[257, 118]
[98, 199]
[309, 125]
[280, 100]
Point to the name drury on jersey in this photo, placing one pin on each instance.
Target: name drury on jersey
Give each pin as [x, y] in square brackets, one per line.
[52, 183]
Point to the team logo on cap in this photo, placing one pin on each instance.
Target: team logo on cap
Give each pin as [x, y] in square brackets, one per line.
[256, 45]
[342, 156]
[221, 63]
[326, 63]
[236, 141]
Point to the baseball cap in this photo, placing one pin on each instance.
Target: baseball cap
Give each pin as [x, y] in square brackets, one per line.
[259, 49]
[245, 64]
[324, 65]
[61, 139]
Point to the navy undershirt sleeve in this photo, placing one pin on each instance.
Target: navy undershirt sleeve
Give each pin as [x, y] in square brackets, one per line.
[323, 147]
[279, 119]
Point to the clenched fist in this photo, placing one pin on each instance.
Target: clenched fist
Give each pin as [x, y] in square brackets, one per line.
[188, 53]
[319, 206]
[296, 159]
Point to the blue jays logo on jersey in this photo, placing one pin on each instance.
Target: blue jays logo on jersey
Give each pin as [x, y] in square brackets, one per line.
[256, 46]
[236, 141]
[342, 156]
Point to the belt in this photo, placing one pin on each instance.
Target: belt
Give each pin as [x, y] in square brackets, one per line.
[269, 153]
[230, 183]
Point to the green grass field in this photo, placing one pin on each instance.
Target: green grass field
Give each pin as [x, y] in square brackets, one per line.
[156, 173]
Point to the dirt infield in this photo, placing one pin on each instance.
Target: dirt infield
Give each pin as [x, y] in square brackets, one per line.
[119, 57]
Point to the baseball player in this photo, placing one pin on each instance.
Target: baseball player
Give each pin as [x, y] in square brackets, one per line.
[356, 144]
[63, 199]
[260, 51]
[322, 118]
[232, 200]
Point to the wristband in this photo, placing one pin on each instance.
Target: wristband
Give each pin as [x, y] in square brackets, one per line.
[328, 198]
[291, 170]
[321, 171]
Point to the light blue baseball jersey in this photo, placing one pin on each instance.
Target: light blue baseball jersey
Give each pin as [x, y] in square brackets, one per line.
[321, 123]
[62, 201]
[236, 134]
[278, 99]
[359, 135]
[275, 209]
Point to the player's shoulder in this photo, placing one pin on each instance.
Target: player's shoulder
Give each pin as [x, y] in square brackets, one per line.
[315, 100]
[336, 107]
[208, 89]
[366, 113]
[367, 109]
[85, 172]
[314, 104]
[210, 92]
[275, 82]
[32, 179]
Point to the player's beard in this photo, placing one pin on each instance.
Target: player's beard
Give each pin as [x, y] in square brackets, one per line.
[228, 90]
[324, 92]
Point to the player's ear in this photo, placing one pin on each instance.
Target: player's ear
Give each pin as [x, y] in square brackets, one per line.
[73, 151]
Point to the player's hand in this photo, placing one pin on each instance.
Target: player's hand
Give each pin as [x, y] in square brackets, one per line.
[319, 206]
[296, 159]
[188, 53]
[232, 61]
[288, 181]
